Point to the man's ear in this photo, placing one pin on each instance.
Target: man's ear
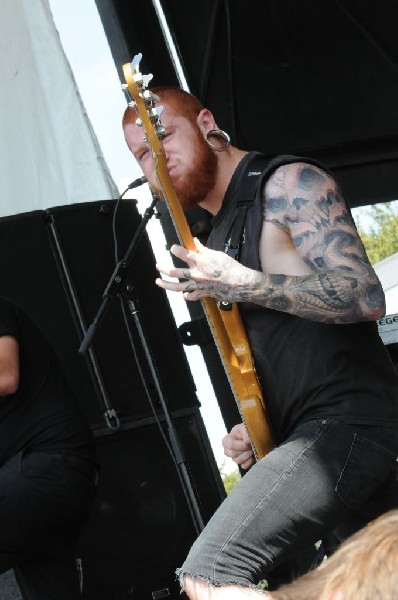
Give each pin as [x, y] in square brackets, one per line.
[206, 121]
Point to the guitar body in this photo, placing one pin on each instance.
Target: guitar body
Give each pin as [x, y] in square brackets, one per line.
[226, 325]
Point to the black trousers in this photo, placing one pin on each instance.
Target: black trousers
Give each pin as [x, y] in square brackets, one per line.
[44, 506]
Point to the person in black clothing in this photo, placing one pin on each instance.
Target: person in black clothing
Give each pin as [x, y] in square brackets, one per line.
[309, 299]
[48, 466]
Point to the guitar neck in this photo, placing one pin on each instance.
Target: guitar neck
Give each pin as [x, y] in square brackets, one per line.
[229, 336]
[175, 209]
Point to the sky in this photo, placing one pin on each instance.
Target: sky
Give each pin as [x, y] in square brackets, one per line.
[87, 50]
[88, 53]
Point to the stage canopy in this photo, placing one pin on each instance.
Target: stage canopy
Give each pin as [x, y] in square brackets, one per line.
[311, 78]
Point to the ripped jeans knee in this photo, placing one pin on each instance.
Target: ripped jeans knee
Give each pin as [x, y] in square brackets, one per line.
[200, 588]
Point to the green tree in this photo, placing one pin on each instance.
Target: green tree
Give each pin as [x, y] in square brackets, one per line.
[381, 238]
[229, 479]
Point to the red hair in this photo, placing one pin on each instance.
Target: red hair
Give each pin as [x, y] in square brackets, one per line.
[186, 104]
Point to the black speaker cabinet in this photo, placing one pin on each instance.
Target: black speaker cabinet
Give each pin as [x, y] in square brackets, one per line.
[57, 264]
[134, 385]
[142, 528]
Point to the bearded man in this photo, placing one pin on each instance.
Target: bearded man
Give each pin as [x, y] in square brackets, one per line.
[309, 299]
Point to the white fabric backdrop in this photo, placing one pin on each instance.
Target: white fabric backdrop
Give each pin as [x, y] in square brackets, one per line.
[49, 154]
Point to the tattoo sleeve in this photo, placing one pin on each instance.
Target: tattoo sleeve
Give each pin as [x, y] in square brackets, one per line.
[305, 203]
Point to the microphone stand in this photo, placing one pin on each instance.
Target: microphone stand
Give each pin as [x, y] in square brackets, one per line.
[117, 279]
[112, 290]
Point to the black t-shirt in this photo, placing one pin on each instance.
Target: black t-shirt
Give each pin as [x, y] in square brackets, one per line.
[43, 414]
[307, 369]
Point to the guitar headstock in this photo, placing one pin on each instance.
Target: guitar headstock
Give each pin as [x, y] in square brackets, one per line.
[143, 101]
[140, 98]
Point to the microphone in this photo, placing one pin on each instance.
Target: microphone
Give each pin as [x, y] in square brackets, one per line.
[134, 184]
[137, 182]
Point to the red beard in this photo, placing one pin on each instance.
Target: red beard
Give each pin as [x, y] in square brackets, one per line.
[199, 179]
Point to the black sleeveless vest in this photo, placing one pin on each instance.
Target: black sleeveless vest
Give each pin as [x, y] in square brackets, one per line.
[307, 370]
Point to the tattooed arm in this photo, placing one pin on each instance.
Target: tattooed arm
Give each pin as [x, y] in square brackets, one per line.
[304, 205]
[314, 264]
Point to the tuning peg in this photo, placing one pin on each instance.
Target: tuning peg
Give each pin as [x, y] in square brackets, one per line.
[146, 79]
[136, 61]
[126, 92]
[149, 97]
[153, 114]
[160, 130]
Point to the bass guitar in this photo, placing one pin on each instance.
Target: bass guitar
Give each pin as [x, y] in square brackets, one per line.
[226, 325]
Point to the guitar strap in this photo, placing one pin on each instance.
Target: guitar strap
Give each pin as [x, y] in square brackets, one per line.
[249, 188]
[258, 169]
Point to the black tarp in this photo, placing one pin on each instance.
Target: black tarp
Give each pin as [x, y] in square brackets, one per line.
[312, 78]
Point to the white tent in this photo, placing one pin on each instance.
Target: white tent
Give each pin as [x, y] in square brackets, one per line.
[49, 154]
[387, 272]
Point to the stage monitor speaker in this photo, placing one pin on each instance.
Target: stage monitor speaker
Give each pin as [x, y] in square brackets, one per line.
[141, 528]
[56, 264]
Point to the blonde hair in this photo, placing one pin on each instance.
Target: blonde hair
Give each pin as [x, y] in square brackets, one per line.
[364, 567]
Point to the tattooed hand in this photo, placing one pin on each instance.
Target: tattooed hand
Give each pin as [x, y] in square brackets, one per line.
[210, 273]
